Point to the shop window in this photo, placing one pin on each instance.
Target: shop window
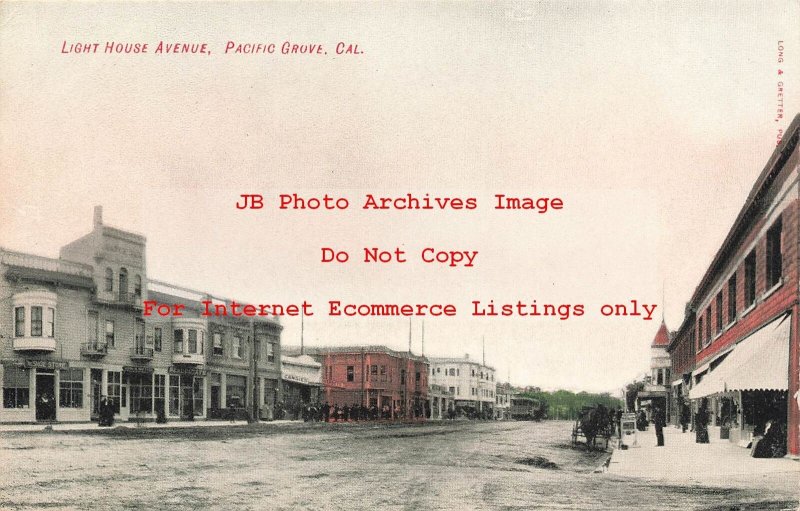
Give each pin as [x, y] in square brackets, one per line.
[140, 388]
[732, 299]
[750, 279]
[16, 387]
[174, 395]
[70, 388]
[235, 390]
[719, 312]
[109, 280]
[110, 333]
[159, 383]
[774, 256]
[350, 373]
[197, 396]
[36, 321]
[115, 389]
[217, 348]
[157, 338]
[19, 322]
[177, 341]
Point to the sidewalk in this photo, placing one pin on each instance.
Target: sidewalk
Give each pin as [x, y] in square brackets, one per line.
[719, 463]
[92, 426]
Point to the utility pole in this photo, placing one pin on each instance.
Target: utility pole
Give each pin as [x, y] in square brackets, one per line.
[301, 332]
[423, 337]
[409, 336]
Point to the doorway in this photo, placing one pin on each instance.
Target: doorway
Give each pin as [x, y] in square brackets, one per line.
[96, 376]
[45, 397]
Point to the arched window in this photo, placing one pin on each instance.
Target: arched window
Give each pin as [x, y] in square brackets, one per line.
[123, 282]
[109, 279]
[137, 285]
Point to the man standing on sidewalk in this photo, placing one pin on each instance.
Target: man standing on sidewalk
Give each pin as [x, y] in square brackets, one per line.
[659, 420]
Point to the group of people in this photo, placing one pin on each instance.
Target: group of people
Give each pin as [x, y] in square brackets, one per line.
[106, 412]
[356, 412]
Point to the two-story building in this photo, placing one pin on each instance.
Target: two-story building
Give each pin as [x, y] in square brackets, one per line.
[73, 331]
[743, 326]
[395, 382]
[472, 384]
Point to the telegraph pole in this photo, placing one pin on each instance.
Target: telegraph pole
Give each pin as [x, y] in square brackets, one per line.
[301, 331]
[254, 375]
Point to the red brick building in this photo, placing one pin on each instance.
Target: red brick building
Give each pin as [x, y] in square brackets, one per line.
[738, 344]
[373, 375]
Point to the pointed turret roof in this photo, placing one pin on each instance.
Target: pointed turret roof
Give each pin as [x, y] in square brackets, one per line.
[662, 336]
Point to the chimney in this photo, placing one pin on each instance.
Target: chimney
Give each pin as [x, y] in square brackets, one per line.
[98, 216]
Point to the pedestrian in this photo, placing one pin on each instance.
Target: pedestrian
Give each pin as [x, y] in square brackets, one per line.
[618, 418]
[701, 422]
[659, 420]
[685, 417]
[326, 412]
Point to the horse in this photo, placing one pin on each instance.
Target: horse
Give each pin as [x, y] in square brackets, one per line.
[594, 421]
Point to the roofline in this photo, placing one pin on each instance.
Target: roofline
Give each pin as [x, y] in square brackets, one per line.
[771, 170]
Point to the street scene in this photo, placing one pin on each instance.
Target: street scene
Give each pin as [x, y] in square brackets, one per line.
[449, 465]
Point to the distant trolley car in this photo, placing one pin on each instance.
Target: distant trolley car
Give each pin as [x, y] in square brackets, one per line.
[525, 408]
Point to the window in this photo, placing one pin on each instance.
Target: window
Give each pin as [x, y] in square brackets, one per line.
[137, 285]
[175, 395]
[270, 352]
[115, 389]
[16, 387]
[452, 372]
[235, 390]
[123, 283]
[109, 279]
[402, 376]
[177, 341]
[237, 346]
[699, 332]
[92, 328]
[417, 377]
[350, 373]
[473, 372]
[139, 334]
[774, 256]
[708, 326]
[36, 321]
[140, 387]
[719, 312]
[71, 385]
[750, 279]
[110, 333]
[217, 348]
[192, 345]
[157, 338]
[19, 322]
[50, 324]
[373, 370]
[732, 299]
[452, 390]
[158, 392]
[383, 373]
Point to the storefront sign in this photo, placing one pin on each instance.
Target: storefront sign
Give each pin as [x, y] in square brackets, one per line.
[187, 371]
[137, 369]
[45, 364]
[628, 423]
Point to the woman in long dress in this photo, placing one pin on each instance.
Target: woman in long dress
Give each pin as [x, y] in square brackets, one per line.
[701, 423]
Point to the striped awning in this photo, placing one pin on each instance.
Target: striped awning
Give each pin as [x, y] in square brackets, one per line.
[759, 362]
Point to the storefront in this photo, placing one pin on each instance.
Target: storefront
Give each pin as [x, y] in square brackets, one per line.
[747, 388]
[302, 379]
[186, 392]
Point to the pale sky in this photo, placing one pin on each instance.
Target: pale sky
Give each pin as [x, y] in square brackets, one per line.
[650, 120]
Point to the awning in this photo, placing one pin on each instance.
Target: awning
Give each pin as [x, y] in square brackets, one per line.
[677, 382]
[759, 362]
